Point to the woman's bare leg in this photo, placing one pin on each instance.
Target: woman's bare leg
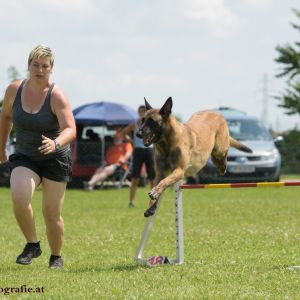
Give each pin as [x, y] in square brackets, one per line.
[53, 198]
[23, 182]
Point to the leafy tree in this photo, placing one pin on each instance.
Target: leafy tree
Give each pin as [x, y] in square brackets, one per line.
[13, 74]
[290, 152]
[289, 57]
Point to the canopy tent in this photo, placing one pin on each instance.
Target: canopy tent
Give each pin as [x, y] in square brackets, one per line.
[104, 113]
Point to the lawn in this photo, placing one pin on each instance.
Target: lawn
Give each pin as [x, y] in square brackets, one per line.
[238, 244]
[286, 177]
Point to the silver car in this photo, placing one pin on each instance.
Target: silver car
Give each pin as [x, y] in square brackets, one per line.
[263, 164]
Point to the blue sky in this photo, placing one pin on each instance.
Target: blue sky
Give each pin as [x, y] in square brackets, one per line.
[203, 53]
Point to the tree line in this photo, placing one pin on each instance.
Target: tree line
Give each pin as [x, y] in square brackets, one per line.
[288, 57]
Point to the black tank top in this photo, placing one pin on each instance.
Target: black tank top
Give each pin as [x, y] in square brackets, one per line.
[30, 127]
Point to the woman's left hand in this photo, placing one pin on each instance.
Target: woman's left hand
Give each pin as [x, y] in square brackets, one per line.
[122, 162]
[48, 145]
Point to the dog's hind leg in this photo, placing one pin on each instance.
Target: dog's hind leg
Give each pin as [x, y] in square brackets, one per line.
[220, 150]
[220, 162]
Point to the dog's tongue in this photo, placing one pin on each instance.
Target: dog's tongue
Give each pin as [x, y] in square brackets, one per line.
[147, 140]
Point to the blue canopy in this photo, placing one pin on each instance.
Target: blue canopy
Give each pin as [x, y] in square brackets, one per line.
[104, 113]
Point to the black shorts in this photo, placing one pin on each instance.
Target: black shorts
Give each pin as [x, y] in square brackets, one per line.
[140, 156]
[56, 169]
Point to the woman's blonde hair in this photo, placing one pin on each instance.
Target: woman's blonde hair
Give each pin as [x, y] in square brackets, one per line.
[39, 51]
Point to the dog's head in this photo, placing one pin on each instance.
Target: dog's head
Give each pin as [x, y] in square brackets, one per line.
[153, 123]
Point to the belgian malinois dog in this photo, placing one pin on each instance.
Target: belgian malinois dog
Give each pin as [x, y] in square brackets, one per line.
[184, 149]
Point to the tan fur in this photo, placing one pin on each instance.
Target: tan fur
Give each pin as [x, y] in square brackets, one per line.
[185, 148]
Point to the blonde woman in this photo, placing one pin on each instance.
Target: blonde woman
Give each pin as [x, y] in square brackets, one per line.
[45, 126]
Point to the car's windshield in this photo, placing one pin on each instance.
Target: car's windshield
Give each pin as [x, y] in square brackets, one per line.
[248, 130]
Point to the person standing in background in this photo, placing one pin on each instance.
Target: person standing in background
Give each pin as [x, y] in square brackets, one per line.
[141, 155]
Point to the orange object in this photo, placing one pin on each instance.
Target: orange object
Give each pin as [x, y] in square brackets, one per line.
[116, 153]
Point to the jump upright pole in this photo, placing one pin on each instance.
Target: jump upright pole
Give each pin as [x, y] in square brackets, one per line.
[159, 260]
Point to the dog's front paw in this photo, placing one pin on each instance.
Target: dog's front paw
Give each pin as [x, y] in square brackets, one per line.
[150, 211]
[154, 194]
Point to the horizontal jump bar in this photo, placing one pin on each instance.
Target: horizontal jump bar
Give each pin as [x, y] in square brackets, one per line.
[240, 185]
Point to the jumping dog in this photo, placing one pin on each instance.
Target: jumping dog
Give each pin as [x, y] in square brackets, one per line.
[184, 149]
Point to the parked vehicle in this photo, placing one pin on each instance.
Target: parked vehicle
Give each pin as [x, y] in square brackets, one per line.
[263, 164]
[88, 150]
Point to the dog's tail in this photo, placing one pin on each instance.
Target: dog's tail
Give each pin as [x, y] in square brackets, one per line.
[237, 145]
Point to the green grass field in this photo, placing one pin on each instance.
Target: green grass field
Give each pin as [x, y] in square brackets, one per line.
[238, 244]
[286, 177]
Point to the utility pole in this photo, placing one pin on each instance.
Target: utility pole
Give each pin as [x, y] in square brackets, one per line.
[265, 101]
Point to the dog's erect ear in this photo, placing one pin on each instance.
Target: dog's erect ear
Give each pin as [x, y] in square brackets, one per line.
[148, 106]
[166, 109]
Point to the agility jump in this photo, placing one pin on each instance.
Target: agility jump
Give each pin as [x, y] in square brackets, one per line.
[178, 197]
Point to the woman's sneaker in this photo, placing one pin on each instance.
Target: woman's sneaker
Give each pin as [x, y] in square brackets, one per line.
[55, 262]
[87, 186]
[30, 251]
